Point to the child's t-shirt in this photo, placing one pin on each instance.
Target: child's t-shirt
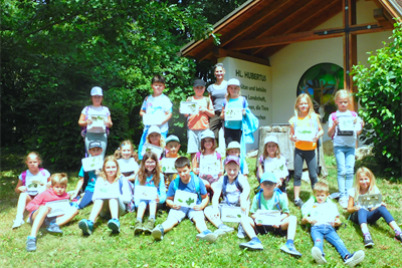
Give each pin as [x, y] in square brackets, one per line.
[200, 121]
[47, 196]
[189, 187]
[238, 103]
[35, 184]
[308, 123]
[155, 105]
[91, 179]
[161, 189]
[352, 193]
[347, 118]
[119, 189]
[128, 167]
[91, 110]
[324, 213]
[209, 166]
[218, 94]
[275, 165]
[232, 196]
[271, 204]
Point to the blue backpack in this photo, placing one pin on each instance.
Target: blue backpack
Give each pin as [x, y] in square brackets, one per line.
[277, 192]
[225, 183]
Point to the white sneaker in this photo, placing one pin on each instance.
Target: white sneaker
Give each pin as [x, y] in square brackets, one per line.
[223, 230]
[355, 258]
[207, 235]
[17, 223]
[318, 256]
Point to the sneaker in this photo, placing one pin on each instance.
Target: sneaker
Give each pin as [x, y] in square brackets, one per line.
[290, 249]
[398, 237]
[318, 256]
[298, 203]
[223, 229]
[86, 226]
[54, 228]
[240, 232]
[355, 258]
[17, 223]
[149, 226]
[252, 245]
[368, 241]
[157, 232]
[114, 225]
[207, 235]
[138, 227]
[31, 244]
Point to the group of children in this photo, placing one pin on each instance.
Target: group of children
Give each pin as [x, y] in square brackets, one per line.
[119, 185]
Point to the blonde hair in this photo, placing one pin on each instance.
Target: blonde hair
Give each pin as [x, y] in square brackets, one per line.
[342, 93]
[103, 172]
[33, 153]
[364, 171]
[277, 152]
[134, 154]
[309, 101]
[161, 140]
[321, 186]
[228, 94]
[59, 178]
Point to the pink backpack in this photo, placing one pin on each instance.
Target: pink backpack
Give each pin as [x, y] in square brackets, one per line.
[24, 175]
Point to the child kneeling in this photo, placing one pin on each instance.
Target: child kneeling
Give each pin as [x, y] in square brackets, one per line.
[39, 209]
[188, 182]
[271, 199]
[323, 215]
[235, 191]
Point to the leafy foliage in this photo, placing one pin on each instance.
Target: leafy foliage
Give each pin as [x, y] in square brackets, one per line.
[53, 52]
[380, 90]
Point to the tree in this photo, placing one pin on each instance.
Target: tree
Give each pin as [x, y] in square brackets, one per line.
[53, 52]
[379, 92]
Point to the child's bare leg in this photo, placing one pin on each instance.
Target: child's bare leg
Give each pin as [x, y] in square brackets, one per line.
[96, 209]
[248, 226]
[38, 217]
[296, 190]
[23, 200]
[152, 210]
[61, 220]
[213, 216]
[114, 208]
[290, 224]
[169, 224]
[141, 210]
[200, 224]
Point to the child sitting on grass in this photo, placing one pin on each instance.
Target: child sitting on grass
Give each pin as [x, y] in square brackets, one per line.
[323, 215]
[172, 153]
[188, 182]
[271, 199]
[235, 191]
[39, 209]
[365, 185]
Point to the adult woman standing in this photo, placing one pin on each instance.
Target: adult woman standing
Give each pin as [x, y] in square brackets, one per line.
[217, 93]
[95, 120]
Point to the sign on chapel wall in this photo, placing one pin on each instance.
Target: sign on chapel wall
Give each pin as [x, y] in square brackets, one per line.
[255, 86]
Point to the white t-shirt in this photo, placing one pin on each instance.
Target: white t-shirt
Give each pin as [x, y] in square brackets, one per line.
[160, 104]
[351, 124]
[277, 166]
[323, 213]
[35, 184]
[90, 111]
[128, 166]
[232, 193]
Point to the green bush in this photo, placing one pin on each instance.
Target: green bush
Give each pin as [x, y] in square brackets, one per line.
[379, 92]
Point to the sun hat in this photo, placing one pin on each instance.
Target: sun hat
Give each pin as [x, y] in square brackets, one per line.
[232, 158]
[234, 81]
[207, 134]
[172, 138]
[268, 176]
[233, 145]
[271, 139]
[96, 91]
[154, 129]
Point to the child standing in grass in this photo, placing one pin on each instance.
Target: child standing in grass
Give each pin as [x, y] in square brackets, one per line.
[149, 175]
[323, 215]
[31, 182]
[272, 161]
[235, 191]
[110, 188]
[305, 130]
[344, 126]
[364, 186]
[271, 199]
[207, 164]
[233, 128]
[187, 182]
[39, 208]
[199, 122]
[87, 179]
[157, 105]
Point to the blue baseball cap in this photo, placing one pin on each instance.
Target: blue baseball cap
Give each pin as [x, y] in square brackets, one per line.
[269, 177]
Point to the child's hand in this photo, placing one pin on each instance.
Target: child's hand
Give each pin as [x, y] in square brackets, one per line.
[311, 220]
[197, 171]
[197, 207]
[337, 222]
[157, 198]
[356, 208]
[73, 194]
[293, 138]
[22, 189]
[244, 111]
[89, 121]
[176, 206]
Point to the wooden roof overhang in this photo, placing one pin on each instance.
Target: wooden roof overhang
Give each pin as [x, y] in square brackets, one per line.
[259, 28]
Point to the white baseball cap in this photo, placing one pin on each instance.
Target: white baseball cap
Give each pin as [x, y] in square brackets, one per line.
[234, 81]
[96, 91]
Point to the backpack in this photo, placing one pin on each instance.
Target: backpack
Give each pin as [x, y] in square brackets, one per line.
[225, 183]
[24, 175]
[277, 192]
[341, 133]
[196, 183]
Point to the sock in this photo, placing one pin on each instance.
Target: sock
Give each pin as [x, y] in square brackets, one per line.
[397, 230]
[365, 230]
[289, 242]
[221, 226]
[139, 219]
[256, 239]
[151, 217]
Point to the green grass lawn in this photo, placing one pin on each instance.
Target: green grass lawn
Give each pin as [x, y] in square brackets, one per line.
[180, 247]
